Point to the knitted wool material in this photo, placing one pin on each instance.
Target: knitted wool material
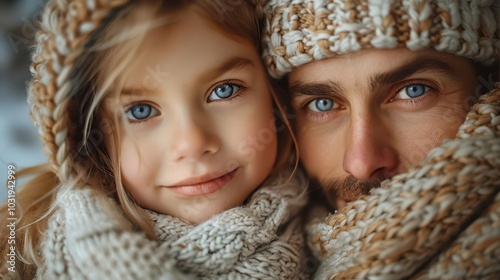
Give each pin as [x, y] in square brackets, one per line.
[439, 220]
[244, 241]
[83, 242]
[301, 31]
[262, 239]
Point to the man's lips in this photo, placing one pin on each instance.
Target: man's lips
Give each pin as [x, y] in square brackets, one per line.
[202, 185]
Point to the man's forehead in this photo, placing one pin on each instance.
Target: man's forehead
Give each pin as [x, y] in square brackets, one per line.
[308, 72]
[367, 60]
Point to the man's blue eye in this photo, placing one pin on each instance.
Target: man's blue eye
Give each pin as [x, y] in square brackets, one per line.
[141, 112]
[223, 91]
[321, 105]
[412, 91]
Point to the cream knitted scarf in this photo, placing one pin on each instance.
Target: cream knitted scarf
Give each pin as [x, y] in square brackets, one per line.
[440, 220]
[262, 239]
[245, 240]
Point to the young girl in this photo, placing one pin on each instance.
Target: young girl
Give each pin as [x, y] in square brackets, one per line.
[158, 121]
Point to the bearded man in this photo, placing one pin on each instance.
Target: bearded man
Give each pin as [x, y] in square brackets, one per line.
[390, 122]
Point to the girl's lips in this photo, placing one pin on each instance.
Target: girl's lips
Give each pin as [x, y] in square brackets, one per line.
[197, 187]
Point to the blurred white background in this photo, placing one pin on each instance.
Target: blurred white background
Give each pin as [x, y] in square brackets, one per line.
[20, 144]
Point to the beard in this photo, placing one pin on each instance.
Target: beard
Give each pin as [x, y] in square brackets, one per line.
[349, 188]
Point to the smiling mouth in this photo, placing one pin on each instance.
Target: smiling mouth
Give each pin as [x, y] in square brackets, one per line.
[202, 185]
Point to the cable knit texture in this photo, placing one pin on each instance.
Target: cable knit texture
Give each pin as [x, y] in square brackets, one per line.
[439, 220]
[262, 239]
[301, 31]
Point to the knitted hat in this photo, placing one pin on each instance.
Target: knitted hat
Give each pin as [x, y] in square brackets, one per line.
[66, 28]
[301, 31]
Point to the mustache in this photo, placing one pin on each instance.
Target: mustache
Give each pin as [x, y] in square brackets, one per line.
[350, 188]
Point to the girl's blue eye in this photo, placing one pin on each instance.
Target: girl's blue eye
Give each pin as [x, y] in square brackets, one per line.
[223, 91]
[412, 91]
[140, 112]
[321, 105]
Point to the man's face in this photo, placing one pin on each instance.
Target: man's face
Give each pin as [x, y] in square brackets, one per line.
[367, 116]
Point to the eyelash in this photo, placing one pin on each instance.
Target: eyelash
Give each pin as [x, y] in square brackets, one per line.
[318, 116]
[240, 84]
[132, 105]
[415, 101]
[321, 116]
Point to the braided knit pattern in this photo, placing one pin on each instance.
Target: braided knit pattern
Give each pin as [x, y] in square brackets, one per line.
[65, 27]
[300, 31]
[84, 242]
[440, 220]
[247, 242]
[262, 239]
[479, 243]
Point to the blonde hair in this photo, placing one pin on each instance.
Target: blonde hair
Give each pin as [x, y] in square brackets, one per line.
[94, 134]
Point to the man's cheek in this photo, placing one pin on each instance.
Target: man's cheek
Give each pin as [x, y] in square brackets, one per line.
[302, 127]
[419, 148]
[444, 121]
[417, 142]
[455, 111]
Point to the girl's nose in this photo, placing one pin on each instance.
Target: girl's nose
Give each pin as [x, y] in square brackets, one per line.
[194, 139]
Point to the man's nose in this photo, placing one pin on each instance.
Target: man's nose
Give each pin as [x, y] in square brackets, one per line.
[369, 153]
[192, 139]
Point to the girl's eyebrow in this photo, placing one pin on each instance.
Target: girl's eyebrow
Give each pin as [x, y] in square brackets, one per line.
[235, 63]
[132, 92]
[231, 64]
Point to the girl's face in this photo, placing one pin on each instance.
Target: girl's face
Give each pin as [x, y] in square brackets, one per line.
[201, 135]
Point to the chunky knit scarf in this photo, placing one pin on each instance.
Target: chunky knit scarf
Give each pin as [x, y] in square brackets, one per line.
[262, 239]
[241, 241]
[440, 220]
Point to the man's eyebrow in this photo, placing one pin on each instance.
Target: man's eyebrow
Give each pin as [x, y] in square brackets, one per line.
[316, 89]
[415, 66]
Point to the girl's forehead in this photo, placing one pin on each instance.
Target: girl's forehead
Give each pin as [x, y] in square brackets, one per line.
[186, 51]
